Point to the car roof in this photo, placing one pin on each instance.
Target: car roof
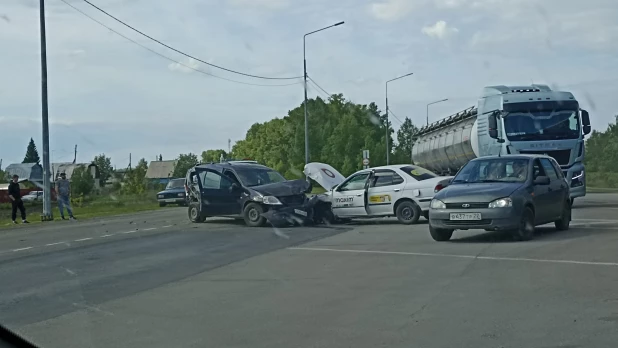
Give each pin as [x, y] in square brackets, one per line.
[232, 165]
[514, 156]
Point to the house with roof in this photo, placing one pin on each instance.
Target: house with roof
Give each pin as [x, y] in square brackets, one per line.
[69, 168]
[161, 171]
[32, 172]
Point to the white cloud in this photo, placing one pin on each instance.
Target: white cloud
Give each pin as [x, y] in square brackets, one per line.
[187, 66]
[392, 10]
[440, 30]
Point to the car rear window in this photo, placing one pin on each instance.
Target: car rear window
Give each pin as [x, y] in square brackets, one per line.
[418, 173]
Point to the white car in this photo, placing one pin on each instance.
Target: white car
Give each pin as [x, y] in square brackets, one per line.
[401, 190]
[33, 196]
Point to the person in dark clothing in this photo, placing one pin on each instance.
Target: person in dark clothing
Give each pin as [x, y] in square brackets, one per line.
[15, 196]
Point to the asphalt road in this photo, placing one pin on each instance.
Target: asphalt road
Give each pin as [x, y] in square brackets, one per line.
[155, 280]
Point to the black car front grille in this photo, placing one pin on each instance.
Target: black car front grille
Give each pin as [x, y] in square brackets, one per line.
[561, 156]
[476, 205]
[467, 222]
[293, 200]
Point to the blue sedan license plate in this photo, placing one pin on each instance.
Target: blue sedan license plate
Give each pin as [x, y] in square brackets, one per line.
[465, 216]
[300, 212]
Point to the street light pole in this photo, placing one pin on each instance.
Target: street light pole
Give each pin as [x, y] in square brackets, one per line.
[388, 150]
[427, 113]
[47, 211]
[305, 84]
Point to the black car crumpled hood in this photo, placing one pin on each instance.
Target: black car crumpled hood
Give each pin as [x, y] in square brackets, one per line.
[284, 188]
[476, 192]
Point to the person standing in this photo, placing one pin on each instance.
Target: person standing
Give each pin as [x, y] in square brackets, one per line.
[16, 202]
[63, 191]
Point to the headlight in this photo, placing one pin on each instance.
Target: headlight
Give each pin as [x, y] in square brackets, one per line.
[181, 195]
[437, 204]
[270, 200]
[501, 203]
[160, 196]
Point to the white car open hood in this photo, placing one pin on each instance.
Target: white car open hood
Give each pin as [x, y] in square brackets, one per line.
[325, 175]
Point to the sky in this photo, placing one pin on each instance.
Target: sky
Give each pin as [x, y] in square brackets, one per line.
[110, 95]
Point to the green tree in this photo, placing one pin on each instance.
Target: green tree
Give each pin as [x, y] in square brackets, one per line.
[135, 178]
[82, 182]
[105, 168]
[213, 155]
[403, 149]
[3, 177]
[183, 163]
[32, 155]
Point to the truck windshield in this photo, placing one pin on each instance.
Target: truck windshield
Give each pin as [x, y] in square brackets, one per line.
[542, 125]
[255, 177]
[493, 170]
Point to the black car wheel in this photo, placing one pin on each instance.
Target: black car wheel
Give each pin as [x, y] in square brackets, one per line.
[408, 212]
[252, 214]
[440, 234]
[161, 204]
[195, 215]
[565, 218]
[525, 230]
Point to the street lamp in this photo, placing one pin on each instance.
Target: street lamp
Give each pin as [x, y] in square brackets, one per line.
[388, 152]
[427, 114]
[305, 77]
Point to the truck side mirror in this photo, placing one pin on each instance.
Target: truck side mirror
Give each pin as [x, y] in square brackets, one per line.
[493, 126]
[586, 122]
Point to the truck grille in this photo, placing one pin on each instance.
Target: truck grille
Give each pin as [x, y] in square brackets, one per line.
[471, 205]
[561, 156]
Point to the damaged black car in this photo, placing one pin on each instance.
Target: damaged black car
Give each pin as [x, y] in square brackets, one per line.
[247, 190]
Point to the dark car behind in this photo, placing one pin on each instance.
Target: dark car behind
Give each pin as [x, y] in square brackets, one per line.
[174, 193]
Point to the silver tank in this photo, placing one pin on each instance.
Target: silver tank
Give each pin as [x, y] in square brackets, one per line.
[447, 145]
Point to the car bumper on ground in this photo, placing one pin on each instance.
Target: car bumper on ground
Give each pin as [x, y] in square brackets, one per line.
[289, 215]
[491, 219]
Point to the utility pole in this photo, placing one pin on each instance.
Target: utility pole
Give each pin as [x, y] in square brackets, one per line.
[388, 135]
[47, 211]
[129, 161]
[75, 155]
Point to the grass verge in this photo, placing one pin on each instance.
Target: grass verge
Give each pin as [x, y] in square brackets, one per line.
[88, 207]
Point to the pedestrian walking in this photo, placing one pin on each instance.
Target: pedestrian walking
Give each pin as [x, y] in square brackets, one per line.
[63, 192]
[16, 202]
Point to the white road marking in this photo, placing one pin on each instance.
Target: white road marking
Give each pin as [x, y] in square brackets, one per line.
[129, 232]
[592, 223]
[50, 244]
[492, 258]
[149, 229]
[106, 235]
[83, 239]
[167, 226]
[22, 249]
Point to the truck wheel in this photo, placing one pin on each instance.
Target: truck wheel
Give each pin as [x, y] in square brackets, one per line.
[195, 214]
[565, 218]
[408, 212]
[252, 214]
[440, 234]
[525, 231]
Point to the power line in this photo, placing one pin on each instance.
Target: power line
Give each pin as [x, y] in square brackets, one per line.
[315, 83]
[395, 116]
[319, 92]
[171, 59]
[185, 54]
